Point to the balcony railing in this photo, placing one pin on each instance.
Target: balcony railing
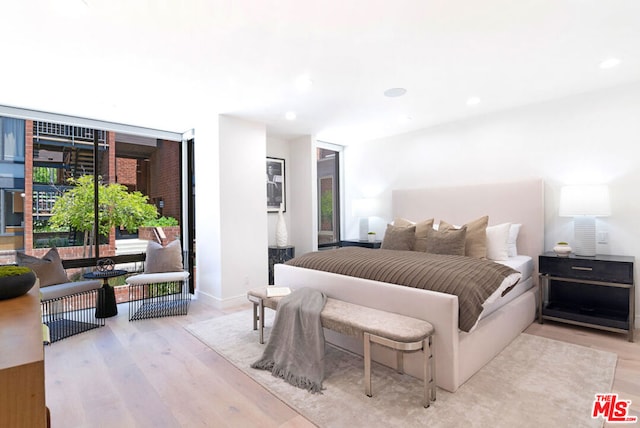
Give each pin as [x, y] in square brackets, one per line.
[69, 133]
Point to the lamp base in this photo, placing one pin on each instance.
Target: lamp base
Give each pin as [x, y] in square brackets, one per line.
[584, 229]
[364, 229]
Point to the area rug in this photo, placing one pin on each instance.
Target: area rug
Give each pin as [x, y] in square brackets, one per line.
[534, 382]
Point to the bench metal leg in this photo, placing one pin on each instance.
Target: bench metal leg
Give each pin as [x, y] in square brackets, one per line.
[426, 345]
[367, 364]
[261, 320]
[255, 316]
[429, 372]
[258, 315]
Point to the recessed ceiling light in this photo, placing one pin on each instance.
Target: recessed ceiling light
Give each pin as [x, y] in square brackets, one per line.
[609, 63]
[473, 101]
[290, 115]
[395, 92]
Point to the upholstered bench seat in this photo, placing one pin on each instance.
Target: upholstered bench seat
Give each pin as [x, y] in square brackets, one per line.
[395, 331]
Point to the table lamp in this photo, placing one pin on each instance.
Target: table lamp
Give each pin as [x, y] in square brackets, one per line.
[364, 208]
[584, 203]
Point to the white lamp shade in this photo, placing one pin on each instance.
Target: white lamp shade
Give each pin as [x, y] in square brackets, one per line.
[584, 200]
[365, 207]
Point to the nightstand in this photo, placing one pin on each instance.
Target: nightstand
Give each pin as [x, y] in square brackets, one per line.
[279, 255]
[360, 243]
[594, 292]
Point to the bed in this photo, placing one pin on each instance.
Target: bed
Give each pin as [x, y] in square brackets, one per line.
[458, 354]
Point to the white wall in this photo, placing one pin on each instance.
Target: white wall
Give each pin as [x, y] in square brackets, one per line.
[231, 244]
[207, 159]
[590, 138]
[304, 200]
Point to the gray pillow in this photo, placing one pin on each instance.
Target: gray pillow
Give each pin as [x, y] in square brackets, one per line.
[476, 238]
[420, 243]
[399, 238]
[48, 269]
[163, 259]
[449, 241]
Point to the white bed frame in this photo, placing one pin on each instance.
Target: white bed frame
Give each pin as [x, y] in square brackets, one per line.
[458, 355]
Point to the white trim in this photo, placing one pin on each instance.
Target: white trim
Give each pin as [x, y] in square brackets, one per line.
[23, 113]
[185, 195]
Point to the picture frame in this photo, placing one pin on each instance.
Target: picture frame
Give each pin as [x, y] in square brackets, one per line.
[276, 185]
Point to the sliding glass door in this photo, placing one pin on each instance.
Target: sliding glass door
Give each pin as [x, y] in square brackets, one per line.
[94, 189]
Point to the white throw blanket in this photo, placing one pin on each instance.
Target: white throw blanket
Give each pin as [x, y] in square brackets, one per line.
[295, 350]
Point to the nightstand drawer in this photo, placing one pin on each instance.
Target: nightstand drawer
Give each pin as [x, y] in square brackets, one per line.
[593, 270]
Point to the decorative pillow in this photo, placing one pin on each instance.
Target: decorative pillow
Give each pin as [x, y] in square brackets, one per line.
[48, 269]
[422, 228]
[450, 241]
[403, 222]
[512, 242]
[497, 237]
[163, 259]
[398, 238]
[476, 238]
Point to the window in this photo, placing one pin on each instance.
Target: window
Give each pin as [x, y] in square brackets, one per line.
[45, 156]
[328, 173]
[68, 161]
[12, 146]
[11, 140]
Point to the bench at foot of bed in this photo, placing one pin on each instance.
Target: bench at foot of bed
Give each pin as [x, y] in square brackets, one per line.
[398, 332]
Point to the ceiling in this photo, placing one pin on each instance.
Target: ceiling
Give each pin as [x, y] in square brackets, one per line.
[170, 65]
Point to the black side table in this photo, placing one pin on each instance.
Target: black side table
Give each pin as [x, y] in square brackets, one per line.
[360, 243]
[106, 306]
[279, 255]
[595, 292]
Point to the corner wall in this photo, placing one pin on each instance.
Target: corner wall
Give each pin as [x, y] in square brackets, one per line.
[231, 234]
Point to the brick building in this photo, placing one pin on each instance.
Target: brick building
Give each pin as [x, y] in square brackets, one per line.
[37, 160]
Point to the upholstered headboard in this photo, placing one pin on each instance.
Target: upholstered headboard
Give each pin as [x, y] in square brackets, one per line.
[513, 202]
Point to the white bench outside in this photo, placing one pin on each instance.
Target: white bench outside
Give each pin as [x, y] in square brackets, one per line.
[395, 331]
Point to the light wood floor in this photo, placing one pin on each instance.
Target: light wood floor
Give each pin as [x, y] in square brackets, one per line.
[153, 373]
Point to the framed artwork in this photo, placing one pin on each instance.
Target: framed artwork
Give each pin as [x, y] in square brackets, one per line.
[275, 185]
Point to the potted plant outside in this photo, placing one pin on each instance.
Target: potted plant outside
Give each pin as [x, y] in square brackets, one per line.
[169, 225]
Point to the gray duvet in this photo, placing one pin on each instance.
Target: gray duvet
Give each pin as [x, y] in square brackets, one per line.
[472, 280]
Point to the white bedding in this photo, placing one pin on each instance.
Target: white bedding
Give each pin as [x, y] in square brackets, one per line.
[524, 265]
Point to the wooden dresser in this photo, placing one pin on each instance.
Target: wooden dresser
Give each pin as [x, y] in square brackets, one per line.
[22, 396]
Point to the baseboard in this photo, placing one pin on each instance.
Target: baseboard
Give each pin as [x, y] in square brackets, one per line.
[218, 303]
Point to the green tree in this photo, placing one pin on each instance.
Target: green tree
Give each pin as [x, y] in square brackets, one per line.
[326, 210]
[116, 207]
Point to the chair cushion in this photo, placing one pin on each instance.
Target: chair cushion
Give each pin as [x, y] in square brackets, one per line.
[155, 278]
[163, 259]
[68, 288]
[48, 269]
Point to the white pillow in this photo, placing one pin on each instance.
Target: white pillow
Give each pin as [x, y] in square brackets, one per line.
[512, 247]
[497, 238]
